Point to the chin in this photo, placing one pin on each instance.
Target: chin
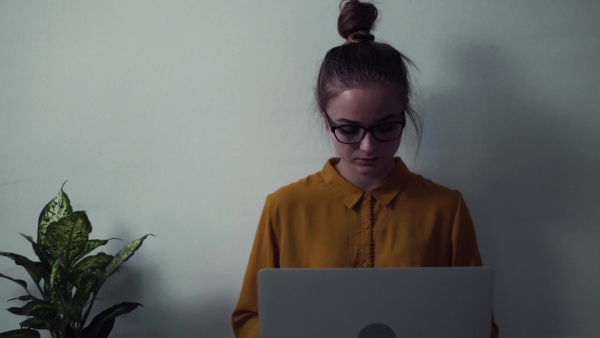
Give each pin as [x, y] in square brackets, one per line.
[380, 167]
[369, 170]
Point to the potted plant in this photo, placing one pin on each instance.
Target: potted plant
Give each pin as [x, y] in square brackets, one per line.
[68, 276]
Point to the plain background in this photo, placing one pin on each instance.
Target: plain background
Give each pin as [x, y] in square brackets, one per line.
[178, 117]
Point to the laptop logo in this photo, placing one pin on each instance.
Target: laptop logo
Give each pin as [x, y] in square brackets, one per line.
[377, 330]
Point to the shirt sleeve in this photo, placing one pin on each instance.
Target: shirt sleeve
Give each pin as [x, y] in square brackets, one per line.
[464, 241]
[264, 254]
[465, 251]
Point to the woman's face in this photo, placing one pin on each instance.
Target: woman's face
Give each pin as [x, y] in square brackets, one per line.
[365, 106]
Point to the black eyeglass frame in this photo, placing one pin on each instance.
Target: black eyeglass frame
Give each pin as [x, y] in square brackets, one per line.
[333, 128]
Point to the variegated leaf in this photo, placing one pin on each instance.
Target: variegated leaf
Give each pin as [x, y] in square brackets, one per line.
[69, 235]
[91, 245]
[35, 269]
[57, 208]
[98, 261]
[86, 286]
[63, 247]
[55, 276]
[123, 255]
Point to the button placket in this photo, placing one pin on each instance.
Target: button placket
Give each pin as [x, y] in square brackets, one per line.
[366, 235]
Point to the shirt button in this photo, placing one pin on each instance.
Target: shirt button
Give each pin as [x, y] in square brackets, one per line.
[366, 226]
[365, 265]
[366, 194]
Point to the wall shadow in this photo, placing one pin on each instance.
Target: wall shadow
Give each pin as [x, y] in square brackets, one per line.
[526, 168]
[162, 315]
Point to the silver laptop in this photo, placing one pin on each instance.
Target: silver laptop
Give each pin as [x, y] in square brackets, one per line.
[375, 303]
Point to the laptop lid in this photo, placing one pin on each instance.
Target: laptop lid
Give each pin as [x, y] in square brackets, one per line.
[447, 302]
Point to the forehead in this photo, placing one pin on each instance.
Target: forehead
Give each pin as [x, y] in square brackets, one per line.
[366, 104]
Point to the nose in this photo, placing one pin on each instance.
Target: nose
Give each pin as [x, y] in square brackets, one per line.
[368, 144]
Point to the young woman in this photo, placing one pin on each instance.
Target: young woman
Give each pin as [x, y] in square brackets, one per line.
[364, 208]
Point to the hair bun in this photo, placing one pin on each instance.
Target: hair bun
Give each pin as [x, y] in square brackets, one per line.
[356, 20]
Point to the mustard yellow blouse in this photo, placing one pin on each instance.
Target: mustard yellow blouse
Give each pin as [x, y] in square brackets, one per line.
[325, 221]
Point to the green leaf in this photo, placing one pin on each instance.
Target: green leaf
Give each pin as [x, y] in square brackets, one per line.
[24, 298]
[57, 208]
[18, 281]
[69, 235]
[35, 308]
[102, 324]
[22, 333]
[29, 238]
[35, 269]
[45, 258]
[123, 255]
[34, 323]
[103, 331]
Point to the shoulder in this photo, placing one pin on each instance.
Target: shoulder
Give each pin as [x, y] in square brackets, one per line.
[423, 190]
[303, 190]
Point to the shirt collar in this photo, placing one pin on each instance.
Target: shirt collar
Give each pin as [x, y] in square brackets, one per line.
[384, 192]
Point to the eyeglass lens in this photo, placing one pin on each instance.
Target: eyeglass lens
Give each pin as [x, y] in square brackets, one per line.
[383, 132]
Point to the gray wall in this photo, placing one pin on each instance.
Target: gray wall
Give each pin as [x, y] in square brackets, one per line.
[178, 117]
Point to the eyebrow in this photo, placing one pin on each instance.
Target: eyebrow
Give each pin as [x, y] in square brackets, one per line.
[385, 118]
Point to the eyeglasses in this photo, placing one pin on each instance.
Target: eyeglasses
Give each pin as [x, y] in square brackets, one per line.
[352, 133]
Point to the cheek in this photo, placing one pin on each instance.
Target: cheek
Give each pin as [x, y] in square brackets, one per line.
[342, 149]
[392, 147]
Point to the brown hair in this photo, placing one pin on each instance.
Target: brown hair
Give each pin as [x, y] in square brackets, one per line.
[362, 61]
